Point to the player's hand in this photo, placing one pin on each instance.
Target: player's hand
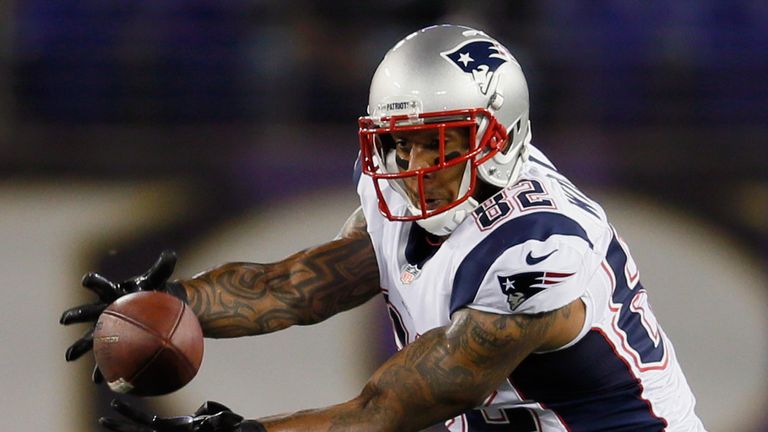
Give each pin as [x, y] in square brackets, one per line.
[210, 417]
[155, 279]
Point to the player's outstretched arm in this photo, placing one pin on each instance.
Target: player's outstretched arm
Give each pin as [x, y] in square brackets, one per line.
[239, 299]
[445, 372]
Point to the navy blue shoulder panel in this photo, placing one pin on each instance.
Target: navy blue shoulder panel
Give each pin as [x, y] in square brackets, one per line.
[535, 226]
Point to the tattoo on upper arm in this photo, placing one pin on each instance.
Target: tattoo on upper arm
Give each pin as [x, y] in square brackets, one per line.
[239, 299]
[451, 369]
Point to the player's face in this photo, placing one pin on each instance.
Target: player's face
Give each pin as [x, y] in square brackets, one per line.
[421, 149]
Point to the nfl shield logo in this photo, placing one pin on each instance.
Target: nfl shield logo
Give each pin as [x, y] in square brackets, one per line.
[409, 273]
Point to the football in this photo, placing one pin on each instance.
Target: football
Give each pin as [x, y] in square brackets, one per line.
[148, 343]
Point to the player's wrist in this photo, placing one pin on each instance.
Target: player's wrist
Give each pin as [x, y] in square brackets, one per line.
[250, 426]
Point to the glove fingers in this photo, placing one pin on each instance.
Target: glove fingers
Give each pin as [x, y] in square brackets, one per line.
[103, 287]
[132, 413]
[82, 313]
[175, 424]
[161, 270]
[80, 347]
[210, 408]
[123, 426]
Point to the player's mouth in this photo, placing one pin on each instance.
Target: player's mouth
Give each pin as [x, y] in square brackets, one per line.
[435, 203]
[433, 199]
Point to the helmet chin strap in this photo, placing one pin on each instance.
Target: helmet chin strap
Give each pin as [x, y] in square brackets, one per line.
[444, 223]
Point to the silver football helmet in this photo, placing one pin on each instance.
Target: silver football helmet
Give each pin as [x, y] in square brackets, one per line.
[443, 77]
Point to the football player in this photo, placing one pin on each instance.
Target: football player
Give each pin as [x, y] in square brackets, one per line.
[515, 304]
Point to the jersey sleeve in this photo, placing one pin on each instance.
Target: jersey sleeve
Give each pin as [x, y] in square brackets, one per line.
[528, 271]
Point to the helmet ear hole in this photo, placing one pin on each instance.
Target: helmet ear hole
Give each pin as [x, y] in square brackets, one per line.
[511, 135]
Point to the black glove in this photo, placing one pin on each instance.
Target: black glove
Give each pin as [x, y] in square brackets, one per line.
[155, 279]
[210, 417]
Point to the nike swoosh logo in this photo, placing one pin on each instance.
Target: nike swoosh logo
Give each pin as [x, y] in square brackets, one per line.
[531, 260]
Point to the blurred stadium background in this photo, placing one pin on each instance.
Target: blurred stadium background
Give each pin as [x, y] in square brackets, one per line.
[227, 131]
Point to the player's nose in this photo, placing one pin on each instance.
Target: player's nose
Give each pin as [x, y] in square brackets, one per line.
[421, 158]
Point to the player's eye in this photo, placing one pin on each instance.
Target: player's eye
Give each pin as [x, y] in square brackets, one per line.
[403, 148]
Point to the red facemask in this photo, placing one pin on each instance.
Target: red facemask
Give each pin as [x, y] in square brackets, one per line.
[378, 156]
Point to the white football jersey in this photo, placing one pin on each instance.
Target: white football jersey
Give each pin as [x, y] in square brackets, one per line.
[534, 247]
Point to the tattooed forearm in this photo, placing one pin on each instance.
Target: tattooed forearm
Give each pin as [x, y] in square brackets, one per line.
[238, 299]
[447, 370]
[440, 375]
[487, 347]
